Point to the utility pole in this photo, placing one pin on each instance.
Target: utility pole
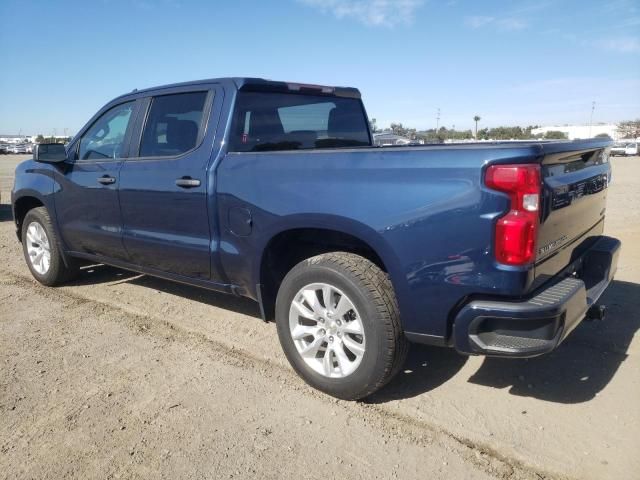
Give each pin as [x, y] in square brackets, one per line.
[593, 107]
[437, 121]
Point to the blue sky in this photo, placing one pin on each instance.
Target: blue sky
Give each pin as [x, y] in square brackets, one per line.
[529, 62]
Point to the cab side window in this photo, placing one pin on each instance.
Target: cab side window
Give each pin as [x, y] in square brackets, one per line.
[173, 124]
[105, 138]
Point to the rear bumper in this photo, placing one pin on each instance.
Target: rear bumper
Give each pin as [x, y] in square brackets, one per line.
[537, 325]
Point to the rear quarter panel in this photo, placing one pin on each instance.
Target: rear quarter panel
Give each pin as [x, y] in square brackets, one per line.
[423, 210]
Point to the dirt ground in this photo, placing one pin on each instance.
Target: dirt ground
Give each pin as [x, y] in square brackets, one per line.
[120, 375]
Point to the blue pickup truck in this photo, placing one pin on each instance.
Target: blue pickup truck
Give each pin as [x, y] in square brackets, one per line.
[275, 192]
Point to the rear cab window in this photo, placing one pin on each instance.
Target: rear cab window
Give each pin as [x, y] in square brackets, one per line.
[269, 121]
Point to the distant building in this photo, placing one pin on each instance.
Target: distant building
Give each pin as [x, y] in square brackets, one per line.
[580, 131]
[47, 137]
[14, 139]
[29, 138]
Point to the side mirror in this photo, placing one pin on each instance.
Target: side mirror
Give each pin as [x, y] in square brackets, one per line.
[49, 153]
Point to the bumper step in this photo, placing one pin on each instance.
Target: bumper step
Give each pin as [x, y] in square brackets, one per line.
[537, 325]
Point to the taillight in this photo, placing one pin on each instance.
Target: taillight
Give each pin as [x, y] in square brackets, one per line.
[516, 232]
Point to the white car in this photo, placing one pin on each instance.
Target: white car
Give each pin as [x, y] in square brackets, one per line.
[624, 149]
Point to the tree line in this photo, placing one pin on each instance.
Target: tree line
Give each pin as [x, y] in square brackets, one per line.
[42, 139]
[444, 133]
[627, 129]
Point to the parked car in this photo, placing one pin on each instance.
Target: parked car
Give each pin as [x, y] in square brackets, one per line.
[274, 191]
[19, 148]
[4, 148]
[625, 149]
[631, 149]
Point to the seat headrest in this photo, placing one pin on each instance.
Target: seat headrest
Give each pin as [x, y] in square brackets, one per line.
[182, 134]
[265, 123]
[343, 122]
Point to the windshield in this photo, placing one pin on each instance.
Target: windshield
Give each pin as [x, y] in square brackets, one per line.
[266, 121]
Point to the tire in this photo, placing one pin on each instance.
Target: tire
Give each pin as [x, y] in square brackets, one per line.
[42, 234]
[353, 365]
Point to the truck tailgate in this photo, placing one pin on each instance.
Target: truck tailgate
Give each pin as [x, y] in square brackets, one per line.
[574, 203]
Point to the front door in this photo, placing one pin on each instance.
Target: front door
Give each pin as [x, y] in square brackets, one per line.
[87, 206]
[163, 185]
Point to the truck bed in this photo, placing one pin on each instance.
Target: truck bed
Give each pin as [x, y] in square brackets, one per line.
[424, 209]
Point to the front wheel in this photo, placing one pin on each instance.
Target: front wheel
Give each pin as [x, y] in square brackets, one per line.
[41, 249]
[339, 324]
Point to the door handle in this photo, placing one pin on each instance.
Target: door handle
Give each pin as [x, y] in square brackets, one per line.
[187, 182]
[106, 180]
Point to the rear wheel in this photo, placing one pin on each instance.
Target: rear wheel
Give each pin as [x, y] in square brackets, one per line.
[42, 251]
[339, 325]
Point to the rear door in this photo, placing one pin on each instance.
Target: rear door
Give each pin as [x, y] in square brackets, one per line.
[163, 186]
[87, 208]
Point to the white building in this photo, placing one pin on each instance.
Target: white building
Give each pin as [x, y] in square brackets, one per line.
[581, 131]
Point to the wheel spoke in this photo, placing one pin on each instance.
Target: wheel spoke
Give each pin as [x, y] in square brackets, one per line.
[312, 299]
[30, 237]
[302, 331]
[356, 348]
[46, 261]
[304, 311]
[327, 297]
[312, 348]
[40, 234]
[344, 305]
[343, 361]
[354, 326]
[327, 362]
[38, 258]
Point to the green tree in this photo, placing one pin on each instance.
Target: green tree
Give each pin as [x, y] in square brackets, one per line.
[476, 119]
[40, 139]
[482, 134]
[555, 135]
[603, 135]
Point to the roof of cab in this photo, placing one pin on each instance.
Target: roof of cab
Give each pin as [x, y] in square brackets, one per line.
[260, 84]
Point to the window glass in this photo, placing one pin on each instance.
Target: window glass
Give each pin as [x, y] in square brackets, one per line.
[288, 121]
[105, 138]
[314, 116]
[173, 124]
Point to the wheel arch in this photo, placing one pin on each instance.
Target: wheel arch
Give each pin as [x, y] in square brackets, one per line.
[22, 205]
[285, 247]
[27, 201]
